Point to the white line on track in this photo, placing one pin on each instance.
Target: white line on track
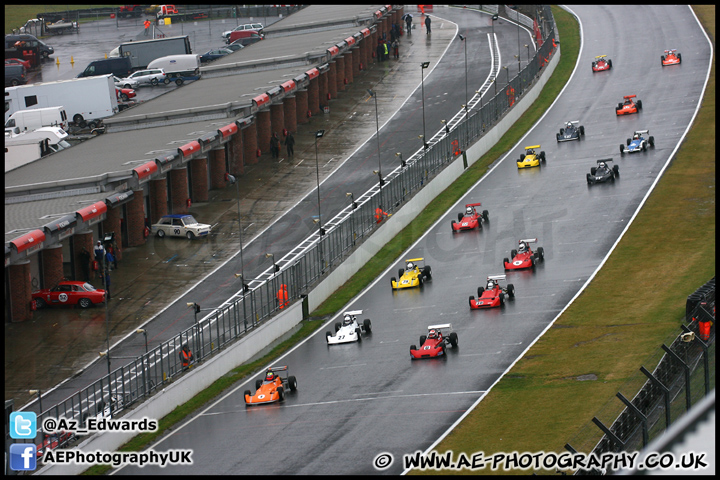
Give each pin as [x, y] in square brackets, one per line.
[343, 366]
[413, 395]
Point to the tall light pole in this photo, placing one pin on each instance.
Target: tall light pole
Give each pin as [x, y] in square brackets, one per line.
[233, 180]
[507, 75]
[517, 19]
[527, 47]
[492, 43]
[318, 134]
[377, 136]
[463, 39]
[423, 66]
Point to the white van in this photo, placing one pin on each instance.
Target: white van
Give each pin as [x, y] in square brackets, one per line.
[26, 120]
[178, 68]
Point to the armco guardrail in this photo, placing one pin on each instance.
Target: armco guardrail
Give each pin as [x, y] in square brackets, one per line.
[246, 311]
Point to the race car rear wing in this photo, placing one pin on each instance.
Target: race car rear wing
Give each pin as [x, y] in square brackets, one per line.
[473, 205]
[629, 96]
[605, 160]
[601, 56]
[414, 259]
[528, 240]
[438, 327]
[277, 369]
[532, 146]
[642, 131]
[353, 312]
[574, 121]
[496, 277]
[671, 50]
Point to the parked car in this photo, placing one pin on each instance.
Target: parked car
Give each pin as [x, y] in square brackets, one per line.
[235, 46]
[69, 292]
[214, 54]
[29, 40]
[15, 75]
[125, 94]
[152, 77]
[118, 66]
[258, 27]
[125, 82]
[249, 40]
[180, 226]
[18, 61]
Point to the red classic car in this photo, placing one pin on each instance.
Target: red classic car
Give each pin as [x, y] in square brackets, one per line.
[69, 292]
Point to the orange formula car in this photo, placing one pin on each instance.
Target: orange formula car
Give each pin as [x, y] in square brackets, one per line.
[628, 106]
[272, 387]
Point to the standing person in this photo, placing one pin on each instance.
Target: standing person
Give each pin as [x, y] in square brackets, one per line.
[427, 25]
[275, 145]
[380, 50]
[290, 144]
[147, 27]
[379, 214]
[99, 257]
[186, 357]
[408, 22]
[396, 49]
[85, 258]
[110, 258]
[386, 52]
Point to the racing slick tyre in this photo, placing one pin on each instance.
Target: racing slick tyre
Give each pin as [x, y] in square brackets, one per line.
[619, 106]
[412, 347]
[502, 298]
[161, 233]
[166, 81]
[367, 325]
[392, 280]
[452, 225]
[486, 215]
[480, 291]
[679, 58]
[258, 383]
[513, 252]
[337, 326]
[532, 261]
[422, 340]
[247, 392]
[643, 147]
[587, 176]
[593, 170]
[420, 280]
[292, 383]
[562, 131]
[627, 142]
[616, 169]
[84, 303]
[622, 149]
[443, 349]
[639, 104]
[400, 272]
[542, 156]
[662, 60]
[470, 300]
[327, 336]
[460, 217]
[453, 338]
[281, 393]
[651, 141]
[154, 82]
[541, 253]
[179, 82]
[511, 290]
[427, 271]
[190, 235]
[522, 157]
[582, 130]
[358, 332]
[609, 64]
[557, 138]
[40, 303]
[505, 261]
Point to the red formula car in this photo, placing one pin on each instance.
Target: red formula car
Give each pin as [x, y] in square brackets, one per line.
[69, 293]
[601, 63]
[471, 219]
[671, 58]
[492, 295]
[434, 344]
[628, 106]
[524, 257]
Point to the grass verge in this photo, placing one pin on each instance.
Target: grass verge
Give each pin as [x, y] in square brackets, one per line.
[540, 404]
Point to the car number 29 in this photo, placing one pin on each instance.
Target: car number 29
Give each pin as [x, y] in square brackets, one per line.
[176, 231]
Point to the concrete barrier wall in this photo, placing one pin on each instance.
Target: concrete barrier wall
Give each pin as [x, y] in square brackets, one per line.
[204, 375]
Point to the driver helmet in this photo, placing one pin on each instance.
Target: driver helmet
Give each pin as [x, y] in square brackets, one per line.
[410, 266]
[468, 211]
[569, 125]
[347, 320]
[521, 247]
[636, 136]
[270, 376]
[432, 334]
[602, 165]
[490, 284]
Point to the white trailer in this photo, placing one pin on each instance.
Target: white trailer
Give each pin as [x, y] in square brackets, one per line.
[86, 100]
[24, 148]
[179, 68]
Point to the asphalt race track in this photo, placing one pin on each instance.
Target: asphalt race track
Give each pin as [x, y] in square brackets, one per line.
[355, 401]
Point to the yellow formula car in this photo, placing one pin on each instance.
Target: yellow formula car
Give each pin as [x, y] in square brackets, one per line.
[413, 275]
[530, 158]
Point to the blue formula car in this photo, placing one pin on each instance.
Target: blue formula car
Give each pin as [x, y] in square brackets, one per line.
[638, 142]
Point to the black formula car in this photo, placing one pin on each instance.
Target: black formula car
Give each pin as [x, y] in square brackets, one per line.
[571, 132]
[603, 172]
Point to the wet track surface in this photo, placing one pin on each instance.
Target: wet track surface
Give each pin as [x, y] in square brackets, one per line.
[355, 401]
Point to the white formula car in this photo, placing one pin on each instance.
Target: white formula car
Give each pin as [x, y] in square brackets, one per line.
[349, 330]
